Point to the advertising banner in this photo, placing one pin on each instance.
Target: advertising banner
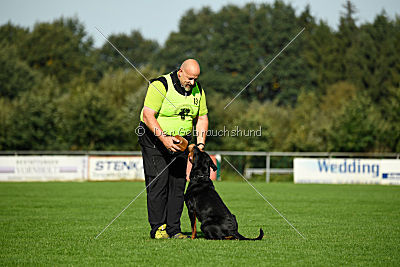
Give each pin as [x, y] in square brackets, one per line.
[115, 168]
[346, 171]
[43, 168]
[76, 168]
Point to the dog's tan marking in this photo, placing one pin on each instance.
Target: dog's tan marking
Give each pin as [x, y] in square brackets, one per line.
[191, 149]
[194, 229]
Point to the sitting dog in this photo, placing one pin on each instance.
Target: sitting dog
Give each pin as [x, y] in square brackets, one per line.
[204, 203]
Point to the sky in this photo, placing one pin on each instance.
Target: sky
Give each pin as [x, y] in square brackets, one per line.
[156, 19]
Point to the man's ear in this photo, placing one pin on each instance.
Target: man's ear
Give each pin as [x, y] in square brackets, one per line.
[212, 165]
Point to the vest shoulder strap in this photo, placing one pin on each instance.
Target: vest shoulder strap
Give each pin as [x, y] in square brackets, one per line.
[163, 80]
[200, 88]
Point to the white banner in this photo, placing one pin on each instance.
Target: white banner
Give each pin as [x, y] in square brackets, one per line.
[346, 171]
[43, 168]
[116, 168]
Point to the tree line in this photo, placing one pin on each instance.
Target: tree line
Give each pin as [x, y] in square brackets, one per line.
[330, 90]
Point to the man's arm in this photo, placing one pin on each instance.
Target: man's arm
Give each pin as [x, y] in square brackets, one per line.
[149, 118]
[201, 129]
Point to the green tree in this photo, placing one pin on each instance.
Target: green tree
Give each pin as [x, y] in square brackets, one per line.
[6, 112]
[89, 121]
[234, 44]
[15, 75]
[358, 128]
[33, 122]
[131, 117]
[239, 128]
[13, 35]
[124, 91]
[135, 47]
[305, 125]
[390, 113]
[117, 85]
[328, 91]
[347, 45]
[194, 35]
[319, 53]
[378, 57]
[61, 49]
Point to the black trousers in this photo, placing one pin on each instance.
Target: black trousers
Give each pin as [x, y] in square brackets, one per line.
[165, 195]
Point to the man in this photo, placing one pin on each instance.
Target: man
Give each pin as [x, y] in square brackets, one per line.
[174, 103]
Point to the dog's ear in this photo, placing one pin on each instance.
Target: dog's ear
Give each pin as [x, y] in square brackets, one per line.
[191, 152]
[211, 162]
[195, 155]
[191, 147]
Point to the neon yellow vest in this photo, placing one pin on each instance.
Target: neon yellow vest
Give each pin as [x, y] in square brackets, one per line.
[178, 111]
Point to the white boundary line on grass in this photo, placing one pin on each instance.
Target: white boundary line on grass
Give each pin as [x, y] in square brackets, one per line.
[136, 197]
[266, 200]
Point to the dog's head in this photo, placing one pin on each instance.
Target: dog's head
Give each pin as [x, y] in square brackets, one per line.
[201, 161]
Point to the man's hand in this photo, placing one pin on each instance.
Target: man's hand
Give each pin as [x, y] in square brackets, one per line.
[182, 142]
[201, 146]
[172, 143]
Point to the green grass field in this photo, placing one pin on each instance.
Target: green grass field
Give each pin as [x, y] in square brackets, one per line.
[55, 223]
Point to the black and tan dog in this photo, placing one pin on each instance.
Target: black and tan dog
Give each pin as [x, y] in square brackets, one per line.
[204, 203]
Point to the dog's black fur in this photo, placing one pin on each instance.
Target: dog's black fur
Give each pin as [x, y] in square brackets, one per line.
[204, 203]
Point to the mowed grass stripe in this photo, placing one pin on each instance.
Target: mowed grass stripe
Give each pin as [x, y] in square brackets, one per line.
[55, 223]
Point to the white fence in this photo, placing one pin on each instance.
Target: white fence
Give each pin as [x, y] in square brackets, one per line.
[268, 170]
[123, 167]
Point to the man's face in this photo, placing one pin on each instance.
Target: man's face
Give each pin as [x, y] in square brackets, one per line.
[187, 79]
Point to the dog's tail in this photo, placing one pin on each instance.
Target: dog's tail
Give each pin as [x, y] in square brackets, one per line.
[240, 237]
[260, 236]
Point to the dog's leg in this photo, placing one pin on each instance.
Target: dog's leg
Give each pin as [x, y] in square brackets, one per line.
[194, 228]
[213, 232]
[192, 217]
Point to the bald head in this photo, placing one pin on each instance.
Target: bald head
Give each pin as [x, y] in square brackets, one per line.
[191, 67]
[188, 73]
